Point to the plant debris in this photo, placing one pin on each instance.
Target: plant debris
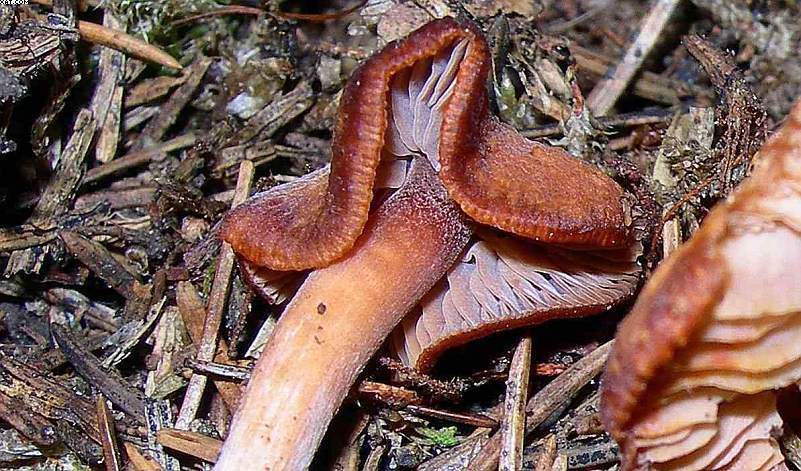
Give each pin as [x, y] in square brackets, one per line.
[129, 332]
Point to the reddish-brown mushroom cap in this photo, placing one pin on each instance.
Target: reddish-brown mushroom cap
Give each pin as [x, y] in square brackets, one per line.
[496, 176]
[506, 181]
[691, 382]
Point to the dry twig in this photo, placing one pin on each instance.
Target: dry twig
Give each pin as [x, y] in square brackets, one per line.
[216, 305]
[607, 91]
[556, 393]
[157, 127]
[514, 407]
[97, 34]
[109, 382]
[475, 420]
[193, 312]
[138, 158]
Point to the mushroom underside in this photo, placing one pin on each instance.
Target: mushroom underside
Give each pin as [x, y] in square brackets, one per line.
[710, 402]
[417, 96]
[724, 381]
[502, 282]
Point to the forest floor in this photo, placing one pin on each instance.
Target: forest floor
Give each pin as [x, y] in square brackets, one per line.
[125, 126]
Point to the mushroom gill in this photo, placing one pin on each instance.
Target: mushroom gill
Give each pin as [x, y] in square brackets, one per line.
[502, 282]
[692, 381]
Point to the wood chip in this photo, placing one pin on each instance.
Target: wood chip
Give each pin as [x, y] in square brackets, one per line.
[57, 197]
[139, 158]
[139, 461]
[21, 238]
[109, 382]
[108, 136]
[152, 89]
[157, 127]
[100, 261]
[111, 271]
[53, 358]
[116, 199]
[111, 454]
[33, 426]
[130, 334]
[134, 118]
[170, 341]
[34, 393]
[97, 314]
[40, 47]
[106, 104]
[191, 443]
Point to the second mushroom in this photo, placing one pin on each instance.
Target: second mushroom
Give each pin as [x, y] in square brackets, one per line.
[432, 206]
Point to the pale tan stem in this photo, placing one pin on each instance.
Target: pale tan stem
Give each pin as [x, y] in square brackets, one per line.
[336, 322]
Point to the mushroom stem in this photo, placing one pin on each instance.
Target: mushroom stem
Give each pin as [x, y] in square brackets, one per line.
[336, 322]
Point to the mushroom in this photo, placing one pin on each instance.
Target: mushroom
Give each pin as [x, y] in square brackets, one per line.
[693, 377]
[414, 140]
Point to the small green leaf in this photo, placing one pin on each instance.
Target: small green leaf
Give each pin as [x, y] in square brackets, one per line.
[443, 438]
